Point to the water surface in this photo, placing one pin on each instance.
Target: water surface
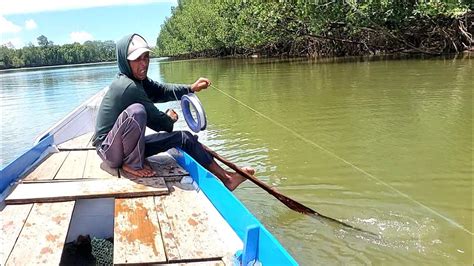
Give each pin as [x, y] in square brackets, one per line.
[383, 145]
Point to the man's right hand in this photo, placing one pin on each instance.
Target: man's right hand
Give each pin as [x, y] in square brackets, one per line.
[171, 113]
[200, 84]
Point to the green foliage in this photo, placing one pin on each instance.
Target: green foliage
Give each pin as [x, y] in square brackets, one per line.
[47, 54]
[227, 27]
[43, 41]
[449, 8]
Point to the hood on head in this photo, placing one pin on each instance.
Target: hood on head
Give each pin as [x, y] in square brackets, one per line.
[122, 51]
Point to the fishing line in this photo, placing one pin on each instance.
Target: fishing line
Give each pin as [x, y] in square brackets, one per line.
[374, 178]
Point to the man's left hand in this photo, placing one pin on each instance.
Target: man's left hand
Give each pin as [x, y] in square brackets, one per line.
[200, 84]
[172, 114]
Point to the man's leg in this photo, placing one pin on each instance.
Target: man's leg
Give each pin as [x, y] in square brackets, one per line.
[124, 145]
[161, 142]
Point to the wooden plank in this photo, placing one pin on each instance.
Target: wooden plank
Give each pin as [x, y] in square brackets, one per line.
[191, 228]
[167, 167]
[200, 263]
[79, 142]
[232, 241]
[95, 168]
[13, 219]
[137, 236]
[42, 239]
[56, 191]
[48, 168]
[73, 166]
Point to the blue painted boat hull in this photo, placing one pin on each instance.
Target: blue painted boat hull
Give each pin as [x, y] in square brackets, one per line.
[259, 243]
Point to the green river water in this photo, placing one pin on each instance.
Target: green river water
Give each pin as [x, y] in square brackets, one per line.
[383, 145]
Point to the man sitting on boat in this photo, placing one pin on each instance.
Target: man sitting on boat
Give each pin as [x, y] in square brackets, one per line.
[128, 108]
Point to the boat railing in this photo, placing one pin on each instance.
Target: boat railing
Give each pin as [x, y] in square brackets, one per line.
[68, 128]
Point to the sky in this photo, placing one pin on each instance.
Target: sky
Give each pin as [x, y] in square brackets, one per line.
[69, 21]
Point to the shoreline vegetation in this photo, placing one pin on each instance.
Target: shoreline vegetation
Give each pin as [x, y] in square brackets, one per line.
[317, 29]
[104, 63]
[47, 54]
[8, 70]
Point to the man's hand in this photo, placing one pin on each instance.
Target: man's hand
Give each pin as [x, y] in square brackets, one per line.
[171, 113]
[201, 83]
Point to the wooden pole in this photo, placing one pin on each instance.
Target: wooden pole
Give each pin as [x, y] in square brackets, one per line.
[290, 203]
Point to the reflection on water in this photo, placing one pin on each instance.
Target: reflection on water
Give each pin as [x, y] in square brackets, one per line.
[33, 101]
[385, 146]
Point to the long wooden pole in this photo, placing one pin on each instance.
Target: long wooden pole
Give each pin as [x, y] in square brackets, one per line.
[290, 203]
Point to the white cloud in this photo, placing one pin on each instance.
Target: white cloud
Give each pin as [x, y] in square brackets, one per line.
[30, 24]
[35, 6]
[7, 26]
[16, 42]
[80, 36]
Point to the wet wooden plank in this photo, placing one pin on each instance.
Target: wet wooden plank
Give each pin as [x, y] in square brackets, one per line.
[95, 168]
[12, 221]
[42, 239]
[79, 142]
[48, 168]
[73, 166]
[165, 166]
[137, 236]
[191, 228]
[201, 263]
[55, 191]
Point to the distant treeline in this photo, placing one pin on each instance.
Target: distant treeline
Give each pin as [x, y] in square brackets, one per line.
[284, 28]
[316, 28]
[48, 54]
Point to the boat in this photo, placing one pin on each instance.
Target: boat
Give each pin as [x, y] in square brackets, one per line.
[58, 193]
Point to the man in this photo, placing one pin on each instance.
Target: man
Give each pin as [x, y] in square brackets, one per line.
[128, 108]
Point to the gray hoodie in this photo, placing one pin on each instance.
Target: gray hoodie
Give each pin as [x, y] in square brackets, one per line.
[125, 90]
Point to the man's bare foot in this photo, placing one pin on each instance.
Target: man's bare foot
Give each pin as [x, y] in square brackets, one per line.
[146, 171]
[236, 179]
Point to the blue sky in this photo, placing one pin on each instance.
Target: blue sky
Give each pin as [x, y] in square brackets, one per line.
[61, 21]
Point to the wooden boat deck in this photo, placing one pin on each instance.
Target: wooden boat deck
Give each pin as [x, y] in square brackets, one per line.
[164, 219]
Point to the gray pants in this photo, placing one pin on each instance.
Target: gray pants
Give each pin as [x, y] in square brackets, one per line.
[127, 144]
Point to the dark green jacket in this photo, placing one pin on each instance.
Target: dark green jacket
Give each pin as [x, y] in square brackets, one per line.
[125, 90]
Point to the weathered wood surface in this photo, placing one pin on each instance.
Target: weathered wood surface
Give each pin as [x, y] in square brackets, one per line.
[79, 142]
[12, 220]
[48, 168]
[137, 236]
[201, 263]
[56, 191]
[95, 168]
[73, 166]
[191, 229]
[42, 238]
[166, 166]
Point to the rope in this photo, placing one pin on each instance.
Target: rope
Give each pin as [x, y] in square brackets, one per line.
[374, 178]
